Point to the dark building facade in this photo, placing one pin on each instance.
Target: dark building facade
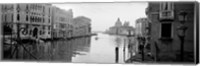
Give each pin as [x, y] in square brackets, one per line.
[172, 30]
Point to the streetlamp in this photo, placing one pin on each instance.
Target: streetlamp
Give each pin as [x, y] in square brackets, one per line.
[181, 31]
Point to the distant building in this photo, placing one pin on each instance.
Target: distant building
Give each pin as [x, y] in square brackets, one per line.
[142, 25]
[118, 23]
[120, 29]
[62, 22]
[126, 23]
[116, 28]
[81, 26]
[165, 19]
[33, 19]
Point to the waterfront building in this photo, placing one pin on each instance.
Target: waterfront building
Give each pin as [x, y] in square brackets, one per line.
[32, 20]
[116, 28]
[81, 26]
[166, 40]
[141, 28]
[62, 22]
[120, 29]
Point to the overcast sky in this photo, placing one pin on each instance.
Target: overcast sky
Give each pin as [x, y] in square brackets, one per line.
[104, 15]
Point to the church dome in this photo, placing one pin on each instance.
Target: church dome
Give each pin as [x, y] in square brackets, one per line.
[118, 23]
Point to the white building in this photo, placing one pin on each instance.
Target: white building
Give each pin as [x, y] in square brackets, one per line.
[62, 23]
[82, 26]
[141, 26]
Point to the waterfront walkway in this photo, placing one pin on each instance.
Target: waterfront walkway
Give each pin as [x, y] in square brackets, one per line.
[138, 58]
[188, 58]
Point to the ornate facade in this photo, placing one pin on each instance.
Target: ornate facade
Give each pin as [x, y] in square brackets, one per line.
[32, 20]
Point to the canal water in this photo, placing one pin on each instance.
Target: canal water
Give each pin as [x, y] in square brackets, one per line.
[102, 50]
[80, 50]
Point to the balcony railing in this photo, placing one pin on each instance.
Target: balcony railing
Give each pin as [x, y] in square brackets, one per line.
[166, 15]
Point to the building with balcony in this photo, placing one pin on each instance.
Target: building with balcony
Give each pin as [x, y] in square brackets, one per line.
[166, 19]
[27, 20]
[62, 22]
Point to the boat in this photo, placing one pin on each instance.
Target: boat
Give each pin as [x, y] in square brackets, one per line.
[96, 38]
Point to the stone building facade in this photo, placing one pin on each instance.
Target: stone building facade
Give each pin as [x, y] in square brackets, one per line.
[165, 20]
[62, 22]
[32, 20]
[81, 26]
[142, 27]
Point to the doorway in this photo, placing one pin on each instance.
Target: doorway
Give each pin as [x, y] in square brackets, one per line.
[35, 32]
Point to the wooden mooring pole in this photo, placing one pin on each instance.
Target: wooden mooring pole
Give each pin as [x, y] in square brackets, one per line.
[117, 55]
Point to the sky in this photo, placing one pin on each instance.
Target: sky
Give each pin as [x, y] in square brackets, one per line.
[104, 15]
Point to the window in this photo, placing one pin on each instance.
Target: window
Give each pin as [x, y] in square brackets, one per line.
[12, 17]
[40, 19]
[18, 8]
[62, 26]
[2, 8]
[18, 17]
[5, 17]
[49, 27]
[62, 19]
[49, 11]
[43, 9]
[43, 20]
[36, 19]
[27, 8]
[31, 19]
[44, 27]
[41, 32]
[166, 6]
[166, 11]
[49, 20]
[30, 32]
[166, 30]
[26, 17]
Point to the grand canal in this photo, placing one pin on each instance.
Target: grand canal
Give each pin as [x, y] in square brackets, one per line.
[102, 50]
[80, 50]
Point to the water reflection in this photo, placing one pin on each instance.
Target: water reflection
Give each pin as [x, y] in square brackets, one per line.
[84, 50]
[64, 50]
[103, 50]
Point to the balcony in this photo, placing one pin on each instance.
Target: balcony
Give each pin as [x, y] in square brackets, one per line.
[166, 15]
